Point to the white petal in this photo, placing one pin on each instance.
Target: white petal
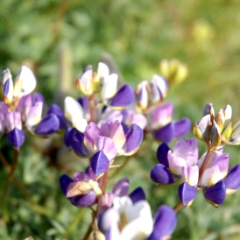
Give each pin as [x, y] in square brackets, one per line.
[109, 88]
[35, 115]
[103, 70]
[25, 82]
[74, 113]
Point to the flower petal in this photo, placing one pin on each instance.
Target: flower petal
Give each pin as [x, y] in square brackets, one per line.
[232, 181]
[137, 195]
[99, 163]
[48, 125]
[76, 142]
[25, 82]
[165, 134]
[182, 127]
[165, 221]
[162, 154]
[121, 187]
[16, 137]
[216, 194]
[186, 193]
[55, 109]
[161, 174]
[65, 180]
[134, 137]
[123, 97]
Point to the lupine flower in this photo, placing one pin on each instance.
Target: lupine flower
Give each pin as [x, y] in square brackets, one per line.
[109, 137]
[127, 220]
[83, 190]
[182, 163]
[162, 126]
[107, 84]
[152, 93]
[25, 83]
[217, 129]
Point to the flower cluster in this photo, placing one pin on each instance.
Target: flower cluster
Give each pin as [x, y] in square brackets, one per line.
[20, 110]
[109, 121]
[210, 173]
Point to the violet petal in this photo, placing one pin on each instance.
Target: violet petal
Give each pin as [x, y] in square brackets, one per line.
[162, 154]
[99, 163]
[84, 200]
[165, 134]
[137, 195]
[186, 193]
[161, 174]
[123, 97]
[48, 125]
[165, 221]
[216, 193]
[232, 181]
[134, 137]
[65, 180]
[55, 109]
[182, 127]
[77, 143]
[16, 137]
[121, 187]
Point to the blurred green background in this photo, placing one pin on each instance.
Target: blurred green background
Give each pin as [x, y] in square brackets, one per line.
[57, 39]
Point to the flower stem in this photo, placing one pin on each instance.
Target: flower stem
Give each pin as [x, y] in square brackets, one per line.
[8, 182]
[32, 204]
[204, 165]
[178, 206]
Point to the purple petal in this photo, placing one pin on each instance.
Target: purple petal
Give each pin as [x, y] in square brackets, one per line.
[107, 146]
[16, 137]
[67, 137]
[217, 193]
[90, 173]
[121, 187]
[76, 142]
[165, 134]
[80, 176]
[161, 174]
[37, 97]
[161, 115]
[165, 221]
[124, 97]
[182, 127]
[65, 180]
[186, 193]
[55, 109]
[134, 137]
[99, 163]
[84, 200]
[232, 181]
[105, 201]
[48, 125]
[6, 87]
[162, 154]
[137, 195]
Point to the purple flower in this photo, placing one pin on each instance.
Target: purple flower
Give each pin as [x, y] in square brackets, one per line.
[136, 221]
[162, 126]
[83, 190]
[109, 138]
